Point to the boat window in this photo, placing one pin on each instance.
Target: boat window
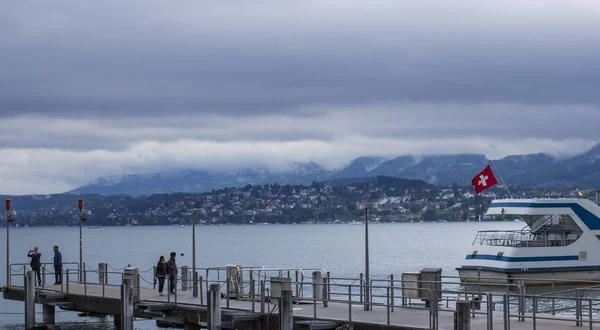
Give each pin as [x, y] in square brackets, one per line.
[583, 255]
[474, 254]
[499, 255]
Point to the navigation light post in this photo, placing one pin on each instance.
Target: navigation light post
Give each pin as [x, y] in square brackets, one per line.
[82, 217]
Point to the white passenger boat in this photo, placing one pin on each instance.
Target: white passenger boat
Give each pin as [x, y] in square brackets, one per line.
[561, 241]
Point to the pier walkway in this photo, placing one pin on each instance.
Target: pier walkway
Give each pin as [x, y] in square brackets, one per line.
[323, 306]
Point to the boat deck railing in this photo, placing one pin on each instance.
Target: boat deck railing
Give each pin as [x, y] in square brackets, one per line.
[526, 238]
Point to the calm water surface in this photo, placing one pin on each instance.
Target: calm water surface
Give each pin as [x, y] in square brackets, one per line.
[394, 248]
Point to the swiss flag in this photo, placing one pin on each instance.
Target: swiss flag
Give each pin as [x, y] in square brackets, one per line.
[485, 179]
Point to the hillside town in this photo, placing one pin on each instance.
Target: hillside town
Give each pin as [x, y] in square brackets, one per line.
[398, 200]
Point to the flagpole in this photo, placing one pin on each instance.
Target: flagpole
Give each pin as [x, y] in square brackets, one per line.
[501, 179]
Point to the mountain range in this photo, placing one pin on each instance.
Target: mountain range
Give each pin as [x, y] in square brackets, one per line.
[531, 170]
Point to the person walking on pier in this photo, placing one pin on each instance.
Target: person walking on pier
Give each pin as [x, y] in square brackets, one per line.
[172, 272]
[161, 274]
[57, 266]
[36, 263]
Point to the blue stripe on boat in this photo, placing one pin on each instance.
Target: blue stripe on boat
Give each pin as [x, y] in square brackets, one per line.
[588, 218]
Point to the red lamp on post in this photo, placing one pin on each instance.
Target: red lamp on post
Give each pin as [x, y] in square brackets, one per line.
[8, 205]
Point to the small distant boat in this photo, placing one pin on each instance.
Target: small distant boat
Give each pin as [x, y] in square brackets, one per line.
[94, 228]
[181, 226]
[354, 222]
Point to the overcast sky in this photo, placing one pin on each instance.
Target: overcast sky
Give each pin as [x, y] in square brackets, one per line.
[96, 88]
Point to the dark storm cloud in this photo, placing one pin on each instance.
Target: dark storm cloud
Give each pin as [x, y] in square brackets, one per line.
[118, 87]
[145, 58]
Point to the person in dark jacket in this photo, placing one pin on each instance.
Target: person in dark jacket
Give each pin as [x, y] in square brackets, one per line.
[36, 263]
[161, 274]
[172, 272]
[57, 266]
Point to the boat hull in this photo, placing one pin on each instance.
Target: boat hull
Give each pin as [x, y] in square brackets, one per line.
[538, 278]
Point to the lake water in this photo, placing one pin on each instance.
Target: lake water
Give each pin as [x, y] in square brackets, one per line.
[394, 248]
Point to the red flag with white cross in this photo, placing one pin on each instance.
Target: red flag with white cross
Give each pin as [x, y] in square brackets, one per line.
[484, 180]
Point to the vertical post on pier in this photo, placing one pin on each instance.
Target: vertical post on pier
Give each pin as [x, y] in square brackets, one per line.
[184, 278]
[131, 275]
[194, 283]
[126, 304]
[286, 317]
[30, 299]
[462, 320]
[367, 206]
[8, 221]
[195, 212]
[521, 301]
[81, 220]
[49, 314]
[200, 289]
[578, 310]
[325, 291]
[317, 281]
[102, 270]
[368, 290]
[214, 307]
[263, 291]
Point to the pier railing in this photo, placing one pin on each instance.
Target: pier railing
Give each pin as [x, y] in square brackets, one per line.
[318, 287]
[18, 270]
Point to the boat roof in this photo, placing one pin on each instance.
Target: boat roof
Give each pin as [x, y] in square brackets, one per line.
[587, 210]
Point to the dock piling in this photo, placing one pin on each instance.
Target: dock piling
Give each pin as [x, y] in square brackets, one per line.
[317, 280]
[214, 307]
[30, 300]
[462, 319]
[263, 291]
[127, 304]
[49, 314]
[286, 318]
[195, 283]
[201, 291]
[184, 278]
[325, 294]
[131, 274]
[102, 272]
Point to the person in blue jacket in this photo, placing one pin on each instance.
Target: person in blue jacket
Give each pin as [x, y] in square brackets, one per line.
[58, 263]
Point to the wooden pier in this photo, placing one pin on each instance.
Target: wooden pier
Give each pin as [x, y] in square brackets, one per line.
[253, 310]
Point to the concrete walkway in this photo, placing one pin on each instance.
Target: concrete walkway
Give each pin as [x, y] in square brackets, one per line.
[410, 317]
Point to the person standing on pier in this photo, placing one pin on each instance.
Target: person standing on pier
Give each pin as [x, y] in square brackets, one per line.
[36, 263]
[161, 274]
[57, 266]
[172, 272]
